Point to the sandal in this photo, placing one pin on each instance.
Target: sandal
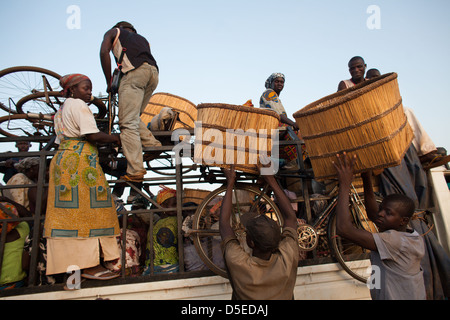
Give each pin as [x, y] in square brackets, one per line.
[101, 275]
[132, 178]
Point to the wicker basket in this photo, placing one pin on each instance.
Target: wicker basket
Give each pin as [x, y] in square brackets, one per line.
[367, 120]
[216, 147]
[187, 110]
[195, 195]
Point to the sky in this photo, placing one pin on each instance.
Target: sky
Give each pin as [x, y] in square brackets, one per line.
[223, 51]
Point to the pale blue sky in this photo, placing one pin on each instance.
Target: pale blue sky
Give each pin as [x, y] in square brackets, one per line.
[223, 51]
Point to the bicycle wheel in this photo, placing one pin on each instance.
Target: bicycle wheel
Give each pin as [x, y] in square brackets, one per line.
[246, 200]
[49, 102]
[18, 82]
[20, 125]
[352, 257]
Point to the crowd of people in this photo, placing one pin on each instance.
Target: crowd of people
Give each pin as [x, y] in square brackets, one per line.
[82, 227]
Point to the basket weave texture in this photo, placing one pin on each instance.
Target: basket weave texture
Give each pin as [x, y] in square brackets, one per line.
[195, 195]
[250, 136]
[187, 110]
[367, 120]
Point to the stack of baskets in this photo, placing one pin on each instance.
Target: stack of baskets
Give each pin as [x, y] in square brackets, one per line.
[367, 120]
[187, 110]
[250, 135]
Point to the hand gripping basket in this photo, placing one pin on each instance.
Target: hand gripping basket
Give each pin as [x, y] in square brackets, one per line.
[249, 135]
[367, 120]
[187, 110]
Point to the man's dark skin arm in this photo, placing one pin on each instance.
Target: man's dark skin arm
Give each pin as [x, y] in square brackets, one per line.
[370, 201]
[288, 214]
[344, 224]
[289, 218]
[225, 210]
[105, 58]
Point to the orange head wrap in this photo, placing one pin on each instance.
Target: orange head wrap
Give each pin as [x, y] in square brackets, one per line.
[164, 194]
[71, 80]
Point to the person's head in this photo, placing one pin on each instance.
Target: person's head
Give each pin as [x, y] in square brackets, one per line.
[372, 73]
[395, 212]
[275, 82]
[77, 86]
[189, 212]
[166, 197]
[125, 25]
[29, 167]
[23, 146]
[263, 233]
[357, 68]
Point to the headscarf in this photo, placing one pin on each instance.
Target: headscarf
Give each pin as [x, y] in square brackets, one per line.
[270, 80]
[23, 165]
[164, 194]
[8, 211]
[71, 80]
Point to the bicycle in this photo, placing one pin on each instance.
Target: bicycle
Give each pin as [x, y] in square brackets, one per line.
[20, 81]
[350, 256]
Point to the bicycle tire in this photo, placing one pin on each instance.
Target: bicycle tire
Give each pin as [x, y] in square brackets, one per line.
[26, 126]
[206, 234]
[352, 257]
[17, 82]
[30, 102]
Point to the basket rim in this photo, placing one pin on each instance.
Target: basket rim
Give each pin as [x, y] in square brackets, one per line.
[346, 95]
[173, 95]
[239, 108]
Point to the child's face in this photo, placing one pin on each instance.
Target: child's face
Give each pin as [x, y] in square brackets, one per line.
[390, 216]
[170, 203]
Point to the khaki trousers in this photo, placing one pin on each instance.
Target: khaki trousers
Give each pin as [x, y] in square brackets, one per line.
[136, 88]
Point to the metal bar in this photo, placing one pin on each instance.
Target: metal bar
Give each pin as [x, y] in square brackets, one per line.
[179, 194]
[37, 220]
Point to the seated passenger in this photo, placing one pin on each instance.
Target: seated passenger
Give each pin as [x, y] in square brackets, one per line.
[15, 260]
[28, 170]
[7, 166]
[164, 235]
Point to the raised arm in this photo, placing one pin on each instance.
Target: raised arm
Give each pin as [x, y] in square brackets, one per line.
[344, 224]
[289, 218]
[105, 57]
[227, 204]
[370, 201]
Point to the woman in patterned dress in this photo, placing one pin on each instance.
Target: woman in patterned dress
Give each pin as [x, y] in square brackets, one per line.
[81, 222]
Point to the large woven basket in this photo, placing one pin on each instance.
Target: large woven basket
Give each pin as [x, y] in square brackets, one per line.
[367, 120]
[187, 110]
[215, 146]
[195, 195]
